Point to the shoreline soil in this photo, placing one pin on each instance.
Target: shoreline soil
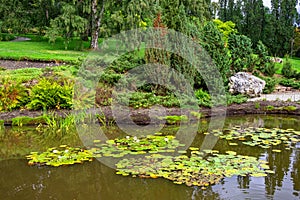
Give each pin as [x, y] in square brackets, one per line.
[141, 116]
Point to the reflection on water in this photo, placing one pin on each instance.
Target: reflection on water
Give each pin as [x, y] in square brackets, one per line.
[97, 181]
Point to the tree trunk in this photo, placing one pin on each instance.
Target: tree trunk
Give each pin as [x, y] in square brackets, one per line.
[96, 23]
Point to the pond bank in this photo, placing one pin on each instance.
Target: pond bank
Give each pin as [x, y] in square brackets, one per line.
[141, 116]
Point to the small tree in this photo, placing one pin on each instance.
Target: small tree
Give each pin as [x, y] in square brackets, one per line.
[67, 25]
[262, 55]
[287, 69]
[213, 42]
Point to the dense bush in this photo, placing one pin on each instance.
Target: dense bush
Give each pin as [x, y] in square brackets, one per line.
[50, 94]
[12, 95]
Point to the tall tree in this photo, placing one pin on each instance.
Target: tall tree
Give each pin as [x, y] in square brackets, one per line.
[97, 11]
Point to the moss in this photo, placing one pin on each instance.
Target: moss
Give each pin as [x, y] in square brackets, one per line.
[20, 121]
[290, 108]
[270, 107]
[257, 105]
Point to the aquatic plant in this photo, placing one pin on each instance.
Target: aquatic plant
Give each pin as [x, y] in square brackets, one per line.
[195, 170]
[262, 137]
[58, 156]
[199, 169]
[120, 147]
[175, 119]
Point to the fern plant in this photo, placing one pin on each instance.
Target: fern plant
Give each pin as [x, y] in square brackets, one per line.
[49, 94]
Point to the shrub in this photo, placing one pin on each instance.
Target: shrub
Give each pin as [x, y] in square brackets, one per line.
[6, 37]
[12, 95]
[270, 85]
[49, 94]
[287, 70]
[238, 99]
[262, 53]
[203, 98]
[269, 69]
[290, 83]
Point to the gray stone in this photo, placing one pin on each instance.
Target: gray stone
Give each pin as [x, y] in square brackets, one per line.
[244, 83]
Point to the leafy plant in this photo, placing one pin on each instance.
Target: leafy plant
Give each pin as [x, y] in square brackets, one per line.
[287, 69]
[203, 98]
[174, 119]
[238, 99]
[240, 47]
[262, 137]
[12, 95]
[269, 69]
[270, 85]
[290, 83]
[49, 94]
[62, 155]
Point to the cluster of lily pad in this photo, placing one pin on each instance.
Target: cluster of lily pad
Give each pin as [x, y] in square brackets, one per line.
[58, 156]
[262, 137]
[120, 147]
[195, 170]
[160, 158]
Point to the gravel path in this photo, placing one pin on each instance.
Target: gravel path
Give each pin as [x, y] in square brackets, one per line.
[289, 96]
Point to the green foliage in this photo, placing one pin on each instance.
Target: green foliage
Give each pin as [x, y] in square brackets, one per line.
[50, 94]
[269, 69]
[290, 83]
[262, 56]
[238, 99]
[62, 155]
[27, 121]
[270, 108]
[22, 75]
[257, 105]
[67, 25]
[290, 108]
[194, 170]
[213, 42]
[287, 69]
[240, 48]
[270, 85]
[203, 98]
[12, 95]
[174, 119]
[262, 137]
[226, 28]
[6, 37]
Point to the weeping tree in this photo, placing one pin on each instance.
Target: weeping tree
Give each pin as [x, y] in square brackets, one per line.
[68, 24]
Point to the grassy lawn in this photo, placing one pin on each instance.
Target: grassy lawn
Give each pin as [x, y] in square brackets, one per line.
[295, 63]
[40, 49]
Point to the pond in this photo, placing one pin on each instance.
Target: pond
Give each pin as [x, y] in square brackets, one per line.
[94, 180]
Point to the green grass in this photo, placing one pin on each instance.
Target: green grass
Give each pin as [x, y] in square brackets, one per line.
[39, 49]
[27, 74]
[295, 63]
[21, 75]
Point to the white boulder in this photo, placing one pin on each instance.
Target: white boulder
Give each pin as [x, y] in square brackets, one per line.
[244, 83]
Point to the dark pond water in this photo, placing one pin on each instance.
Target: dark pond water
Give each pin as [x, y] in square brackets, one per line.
[97, 181]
